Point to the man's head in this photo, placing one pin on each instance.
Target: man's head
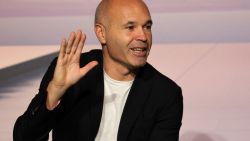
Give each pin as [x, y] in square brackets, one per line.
[123, 27]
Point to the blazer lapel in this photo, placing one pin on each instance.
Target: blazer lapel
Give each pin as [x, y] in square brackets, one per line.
[135, 103]
[96, 101]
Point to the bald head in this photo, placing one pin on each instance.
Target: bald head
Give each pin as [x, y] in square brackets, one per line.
[107, 7]
[101, 11]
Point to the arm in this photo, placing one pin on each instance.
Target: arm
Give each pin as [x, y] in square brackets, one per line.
[168, 122]
[38, 119]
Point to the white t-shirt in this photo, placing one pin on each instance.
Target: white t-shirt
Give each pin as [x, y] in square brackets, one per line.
[115, 96]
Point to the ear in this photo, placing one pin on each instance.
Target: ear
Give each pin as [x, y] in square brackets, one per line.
[100, 33]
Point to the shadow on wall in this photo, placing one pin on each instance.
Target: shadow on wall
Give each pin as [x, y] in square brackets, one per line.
[19, 74]
[197, 136]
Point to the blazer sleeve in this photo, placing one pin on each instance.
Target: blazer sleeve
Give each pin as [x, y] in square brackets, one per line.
[169, 120]
[36, 122]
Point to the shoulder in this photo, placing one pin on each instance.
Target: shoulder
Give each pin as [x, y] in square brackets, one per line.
[163, 89]
[160, 80]
[92, 55]
[95, 54]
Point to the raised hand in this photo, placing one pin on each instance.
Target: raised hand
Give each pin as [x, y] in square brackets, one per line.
[67, 71]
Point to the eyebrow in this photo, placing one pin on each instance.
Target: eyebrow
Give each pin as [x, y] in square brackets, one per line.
[132, 22]
[149, 22]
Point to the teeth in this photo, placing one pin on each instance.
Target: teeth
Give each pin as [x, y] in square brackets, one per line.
[138, 49]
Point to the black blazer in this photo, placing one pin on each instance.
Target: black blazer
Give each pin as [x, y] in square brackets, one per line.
[153, 110]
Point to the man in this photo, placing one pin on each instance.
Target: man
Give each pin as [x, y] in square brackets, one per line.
[109, 94]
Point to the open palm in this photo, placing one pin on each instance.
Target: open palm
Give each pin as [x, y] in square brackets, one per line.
[68, 71]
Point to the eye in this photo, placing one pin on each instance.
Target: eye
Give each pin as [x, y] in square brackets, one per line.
[148, 27]
[130, 27]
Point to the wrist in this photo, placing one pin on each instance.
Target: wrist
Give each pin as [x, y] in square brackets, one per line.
[54, 94]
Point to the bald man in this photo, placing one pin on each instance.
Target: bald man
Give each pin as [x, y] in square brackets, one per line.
[111, 94]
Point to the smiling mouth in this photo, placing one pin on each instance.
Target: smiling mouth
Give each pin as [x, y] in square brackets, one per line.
[139, 52]
[138, 49]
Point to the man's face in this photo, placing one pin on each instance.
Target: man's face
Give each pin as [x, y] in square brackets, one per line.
[128, 35]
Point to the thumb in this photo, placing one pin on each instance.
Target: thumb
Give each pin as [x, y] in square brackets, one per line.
[87, 67]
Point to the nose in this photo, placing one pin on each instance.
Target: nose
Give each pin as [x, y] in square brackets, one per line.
[141, 35]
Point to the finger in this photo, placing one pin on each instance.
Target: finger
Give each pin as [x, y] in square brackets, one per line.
[88, 67]
[81, 44]
[62, 49]
[76, 41]
[70, 42]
